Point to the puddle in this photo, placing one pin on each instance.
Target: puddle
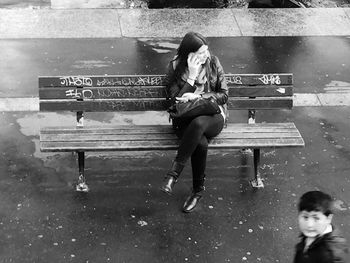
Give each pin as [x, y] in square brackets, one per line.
[91, 64]
[188, 4]
[30, 4]
[30, 124]
[224, 4]
[162, 46]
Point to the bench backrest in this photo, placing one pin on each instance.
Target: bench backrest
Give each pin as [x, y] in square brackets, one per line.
[147, 92]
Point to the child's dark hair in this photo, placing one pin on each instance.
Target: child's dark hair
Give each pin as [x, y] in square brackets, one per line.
[316, 201]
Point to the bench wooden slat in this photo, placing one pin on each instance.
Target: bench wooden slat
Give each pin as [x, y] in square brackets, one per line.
[105, 105]
[62, 93]
[155, 136]
[109, 129]
[151, 80]
[259, 79]
[102, 93]
[217, 143]
[260, 103]
[161, 129]
[129, 137]
[101, 81]
[136, 129]
[154, 104]
[261, 91]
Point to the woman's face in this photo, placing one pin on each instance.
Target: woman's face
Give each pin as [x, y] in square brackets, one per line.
[202, 54]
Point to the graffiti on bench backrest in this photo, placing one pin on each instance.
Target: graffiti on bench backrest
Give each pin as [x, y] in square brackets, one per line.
[110, 93]
[130, 81]
[76, 81]
[137, 104]
[79, 94]
[105, 81]
[270, 79]
[110, 81]
[233, 79]
[266, 79]
[127, 93]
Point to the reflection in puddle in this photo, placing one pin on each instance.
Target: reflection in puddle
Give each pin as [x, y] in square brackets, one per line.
[163, 46]
[337, 87]
[30, 124]
[90, 64]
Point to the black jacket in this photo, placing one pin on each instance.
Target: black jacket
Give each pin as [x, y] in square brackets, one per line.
[329, 248]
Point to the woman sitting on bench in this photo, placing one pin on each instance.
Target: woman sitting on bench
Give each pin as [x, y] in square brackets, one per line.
[195, 73]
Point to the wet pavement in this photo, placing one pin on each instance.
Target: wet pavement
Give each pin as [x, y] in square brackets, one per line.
[316, 67]
[160, 23]
[20, 4]
[125, 218]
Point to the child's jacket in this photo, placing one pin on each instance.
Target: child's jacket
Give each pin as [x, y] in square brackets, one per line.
[329, 248]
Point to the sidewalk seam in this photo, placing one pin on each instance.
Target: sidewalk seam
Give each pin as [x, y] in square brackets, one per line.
[234, 17]
[347, 13]
[120, 24]
[319, 100]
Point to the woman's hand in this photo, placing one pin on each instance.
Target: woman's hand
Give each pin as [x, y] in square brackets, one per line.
[188, 96]
[194, 65]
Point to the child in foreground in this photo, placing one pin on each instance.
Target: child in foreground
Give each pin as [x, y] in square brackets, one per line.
[320, 241]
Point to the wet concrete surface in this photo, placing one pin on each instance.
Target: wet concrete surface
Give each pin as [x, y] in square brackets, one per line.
[319, 64]
[125, 218]
[25, 4]
[82, 4]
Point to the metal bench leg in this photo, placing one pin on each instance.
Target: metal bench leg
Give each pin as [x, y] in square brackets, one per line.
[257, 182]
[251, 120]
[81, 186]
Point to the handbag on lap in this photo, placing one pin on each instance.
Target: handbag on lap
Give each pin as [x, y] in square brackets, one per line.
[194, 108]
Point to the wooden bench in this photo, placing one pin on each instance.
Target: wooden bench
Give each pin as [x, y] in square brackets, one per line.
[147, 93]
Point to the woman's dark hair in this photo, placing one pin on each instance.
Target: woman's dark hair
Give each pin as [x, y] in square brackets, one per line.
[191, 42]
[316, 201]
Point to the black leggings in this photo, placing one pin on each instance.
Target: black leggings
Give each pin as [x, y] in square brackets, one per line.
[194, 137]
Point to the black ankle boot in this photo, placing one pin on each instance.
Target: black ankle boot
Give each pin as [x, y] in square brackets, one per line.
[171, 178]
[191, 202]
[168, 184]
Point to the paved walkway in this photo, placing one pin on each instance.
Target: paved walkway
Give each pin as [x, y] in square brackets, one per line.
[174, 23]
[125, 218]
[107, 23]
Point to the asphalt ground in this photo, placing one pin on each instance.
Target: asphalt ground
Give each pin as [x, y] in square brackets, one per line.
[125, 218]
[320, 72]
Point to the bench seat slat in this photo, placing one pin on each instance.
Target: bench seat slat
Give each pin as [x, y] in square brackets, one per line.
[160, 127]
[134, 138]
[155, 137]
[132, 129]
[217, 143]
